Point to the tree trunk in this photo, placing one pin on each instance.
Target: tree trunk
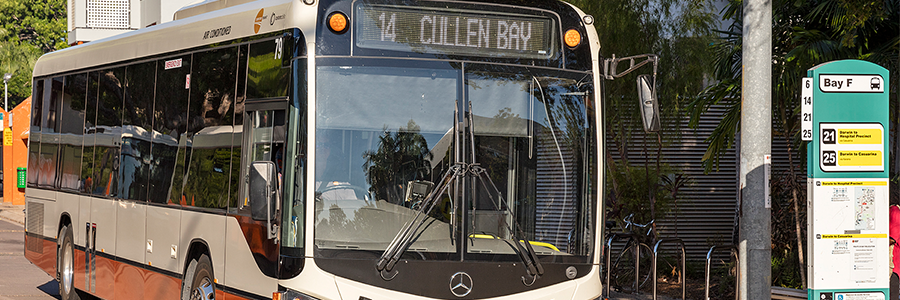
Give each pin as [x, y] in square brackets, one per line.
[799, 236]
[794, 186]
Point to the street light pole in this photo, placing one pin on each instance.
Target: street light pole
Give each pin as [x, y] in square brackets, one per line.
[6, 78]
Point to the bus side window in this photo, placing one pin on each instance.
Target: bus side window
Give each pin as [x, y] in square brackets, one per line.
[71, 133]
[34, 137]
[47, 164]
[213, 84]
[90, 133]
[134, 171]
[169, 127]
[109, 132]
[266, 77]
[238, 138]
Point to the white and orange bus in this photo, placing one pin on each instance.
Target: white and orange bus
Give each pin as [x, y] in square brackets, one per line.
[324, 149]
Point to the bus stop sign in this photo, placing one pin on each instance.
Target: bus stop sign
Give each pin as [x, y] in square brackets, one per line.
[847, 180]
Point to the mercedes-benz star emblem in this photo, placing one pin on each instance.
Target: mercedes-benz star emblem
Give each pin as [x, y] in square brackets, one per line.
[460, 284]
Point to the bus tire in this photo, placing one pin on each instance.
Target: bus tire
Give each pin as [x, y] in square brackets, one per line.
[65, 264]
[199, 283]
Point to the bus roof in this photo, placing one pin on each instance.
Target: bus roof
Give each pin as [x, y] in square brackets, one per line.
[228, 24]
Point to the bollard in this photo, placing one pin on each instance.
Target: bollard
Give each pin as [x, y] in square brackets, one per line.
[737, 277]
[683, 264]
[608, 253]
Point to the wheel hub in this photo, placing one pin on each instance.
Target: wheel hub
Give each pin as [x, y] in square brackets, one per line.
[204, 291]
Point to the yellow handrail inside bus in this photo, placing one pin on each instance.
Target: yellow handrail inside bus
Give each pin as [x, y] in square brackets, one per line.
[542, 244]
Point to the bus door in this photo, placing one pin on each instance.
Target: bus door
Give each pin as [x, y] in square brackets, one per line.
[263, 144]
[266, 148]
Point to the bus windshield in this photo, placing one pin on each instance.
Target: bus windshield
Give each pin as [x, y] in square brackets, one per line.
[387, 135]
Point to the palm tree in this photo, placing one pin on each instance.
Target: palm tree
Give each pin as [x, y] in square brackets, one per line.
[673, 183]
[805, 34]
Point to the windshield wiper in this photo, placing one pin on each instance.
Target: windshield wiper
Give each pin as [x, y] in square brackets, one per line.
[411, 230]
[526, 253]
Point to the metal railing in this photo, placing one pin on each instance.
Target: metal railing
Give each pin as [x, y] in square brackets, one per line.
[737, 277]
[608, 253]
[656, 257]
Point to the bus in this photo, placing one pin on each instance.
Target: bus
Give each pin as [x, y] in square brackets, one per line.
[324, 149]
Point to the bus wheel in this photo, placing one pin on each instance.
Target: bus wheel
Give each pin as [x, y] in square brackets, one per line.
[65, 265]
[198, 282]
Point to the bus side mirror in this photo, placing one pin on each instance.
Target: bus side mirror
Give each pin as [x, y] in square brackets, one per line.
[263, 194]
[648, 103]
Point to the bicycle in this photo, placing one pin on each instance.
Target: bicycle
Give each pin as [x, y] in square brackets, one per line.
[631, 269]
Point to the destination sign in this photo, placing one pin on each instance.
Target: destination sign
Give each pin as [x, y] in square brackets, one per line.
[453, 32]
[851, 147]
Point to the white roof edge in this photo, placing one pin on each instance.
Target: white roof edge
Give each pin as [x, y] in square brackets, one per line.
[135, 44]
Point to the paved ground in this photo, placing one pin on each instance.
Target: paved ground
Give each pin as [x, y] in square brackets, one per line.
[619, 296]
[14, 213]
[19, 279]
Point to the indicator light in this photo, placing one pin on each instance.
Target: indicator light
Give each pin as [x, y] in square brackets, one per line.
[337, 22]
[573, 38]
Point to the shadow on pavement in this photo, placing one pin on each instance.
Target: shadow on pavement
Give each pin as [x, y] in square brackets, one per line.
[51, 288]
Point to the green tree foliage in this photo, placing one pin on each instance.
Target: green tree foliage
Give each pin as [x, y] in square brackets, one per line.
[41, 23]
[28, 28]
[632, 198]
[804, 34]
[680, 32]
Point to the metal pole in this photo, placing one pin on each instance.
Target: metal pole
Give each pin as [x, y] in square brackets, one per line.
[655, 257]
[708, 269]
[756, 142]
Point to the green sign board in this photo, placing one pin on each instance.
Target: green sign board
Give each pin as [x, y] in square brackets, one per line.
[844, 116]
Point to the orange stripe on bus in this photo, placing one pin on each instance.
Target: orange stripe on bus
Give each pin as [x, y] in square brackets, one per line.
[116, 280]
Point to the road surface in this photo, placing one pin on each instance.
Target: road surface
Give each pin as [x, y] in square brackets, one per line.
[19, 279]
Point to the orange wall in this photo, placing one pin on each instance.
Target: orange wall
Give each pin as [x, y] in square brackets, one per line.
[16, 156]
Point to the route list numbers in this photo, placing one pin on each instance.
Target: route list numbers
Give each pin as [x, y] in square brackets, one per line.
[806, 109]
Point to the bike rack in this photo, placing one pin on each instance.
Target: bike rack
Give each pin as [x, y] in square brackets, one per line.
[737, 277]
[608, 253]
[656, 257]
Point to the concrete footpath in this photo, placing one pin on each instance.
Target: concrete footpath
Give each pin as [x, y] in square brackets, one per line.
[13, 213]
[620, 296]
[16, 214]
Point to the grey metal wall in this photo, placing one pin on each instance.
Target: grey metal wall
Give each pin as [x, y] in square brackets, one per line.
[705, 209]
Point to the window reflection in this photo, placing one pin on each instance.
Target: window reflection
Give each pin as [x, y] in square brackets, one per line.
[108, 132]
[169, 127]
[523, 139]
[50, 128]
[137, 132]
[210, 129]
[72, 133]
[530, 135]
[266, 76]
[34, 136]
[371, 142]
[90, 133]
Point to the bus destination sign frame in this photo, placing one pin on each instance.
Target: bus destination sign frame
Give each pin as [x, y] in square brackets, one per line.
[451, 31]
